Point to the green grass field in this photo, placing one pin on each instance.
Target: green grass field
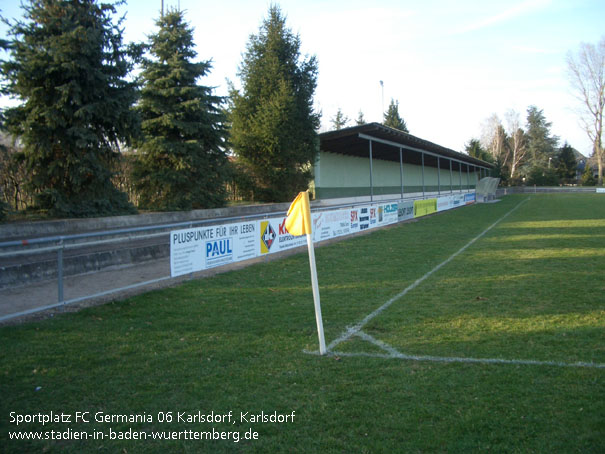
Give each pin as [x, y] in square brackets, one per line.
[530, 293]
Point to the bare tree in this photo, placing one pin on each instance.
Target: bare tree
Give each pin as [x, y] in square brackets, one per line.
[587, 76]
[493, 138]
[517, 141]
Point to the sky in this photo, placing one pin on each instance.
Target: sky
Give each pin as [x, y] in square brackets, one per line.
[449, 64]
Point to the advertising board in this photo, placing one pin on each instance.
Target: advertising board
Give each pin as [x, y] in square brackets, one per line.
[201, 248]
[387, 214]
[273, 236]
[444, 203]
[457, 200]
[197, 249]
[405, 210]
[331, 224]
[424, 207]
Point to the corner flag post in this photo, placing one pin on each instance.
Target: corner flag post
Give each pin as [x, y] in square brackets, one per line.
[299, 223]
[316, 301]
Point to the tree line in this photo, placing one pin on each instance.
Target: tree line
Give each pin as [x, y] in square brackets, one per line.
[390, 118]
[103, 127]
[529, 153]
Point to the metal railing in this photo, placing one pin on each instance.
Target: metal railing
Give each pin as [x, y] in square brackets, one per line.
[544, 190]
[62, 243]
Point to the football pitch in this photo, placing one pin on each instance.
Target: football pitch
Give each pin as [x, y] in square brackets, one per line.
[480, 329]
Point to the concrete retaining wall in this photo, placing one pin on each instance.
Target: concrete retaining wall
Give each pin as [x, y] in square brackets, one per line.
[37, 229]
[44, 267]
[92, 255]
[19, 270]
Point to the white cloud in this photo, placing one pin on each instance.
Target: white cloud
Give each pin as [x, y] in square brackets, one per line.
[521, 9]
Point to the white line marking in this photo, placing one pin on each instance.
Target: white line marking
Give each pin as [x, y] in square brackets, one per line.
[352, 330]
[392, 353]
[386, 347]
[447, 359]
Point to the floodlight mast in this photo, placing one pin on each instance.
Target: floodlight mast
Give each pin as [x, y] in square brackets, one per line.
[382, 100]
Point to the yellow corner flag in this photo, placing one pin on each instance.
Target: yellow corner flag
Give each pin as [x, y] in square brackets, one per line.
[298, 221]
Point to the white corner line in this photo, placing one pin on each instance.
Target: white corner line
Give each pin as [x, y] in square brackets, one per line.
[382, 345]
[448, 359]
[354, 329]
[394, 354]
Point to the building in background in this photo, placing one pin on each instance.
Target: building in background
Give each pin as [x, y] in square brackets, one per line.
[374, 161]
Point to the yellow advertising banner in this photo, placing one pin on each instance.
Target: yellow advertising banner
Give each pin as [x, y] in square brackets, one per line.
[424, 207]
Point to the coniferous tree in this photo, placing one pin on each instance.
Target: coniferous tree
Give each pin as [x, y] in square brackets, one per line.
[68, 66]
[182, 163]
[566, 164]
[588, 178]
[360, 119]
[476, 150]
[393, 119]
[540, 144]
[340, 120]
[273, 123]
[542, 177]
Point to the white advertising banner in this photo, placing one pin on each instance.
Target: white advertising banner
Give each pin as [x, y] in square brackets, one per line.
[457, 200]
[387, 214]
[201, 248]
[405, 210]
[445, 203]
[367, 215]
[354, 220]
[331, 224]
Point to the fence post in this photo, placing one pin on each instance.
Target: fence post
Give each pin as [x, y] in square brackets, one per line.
[60, 272]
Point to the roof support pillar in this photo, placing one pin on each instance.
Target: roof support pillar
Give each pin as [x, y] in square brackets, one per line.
[422, 154]
[401, 169]
[451, 179]
[438, 176]
[468, 177]
[460, 176]
[371, 176]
